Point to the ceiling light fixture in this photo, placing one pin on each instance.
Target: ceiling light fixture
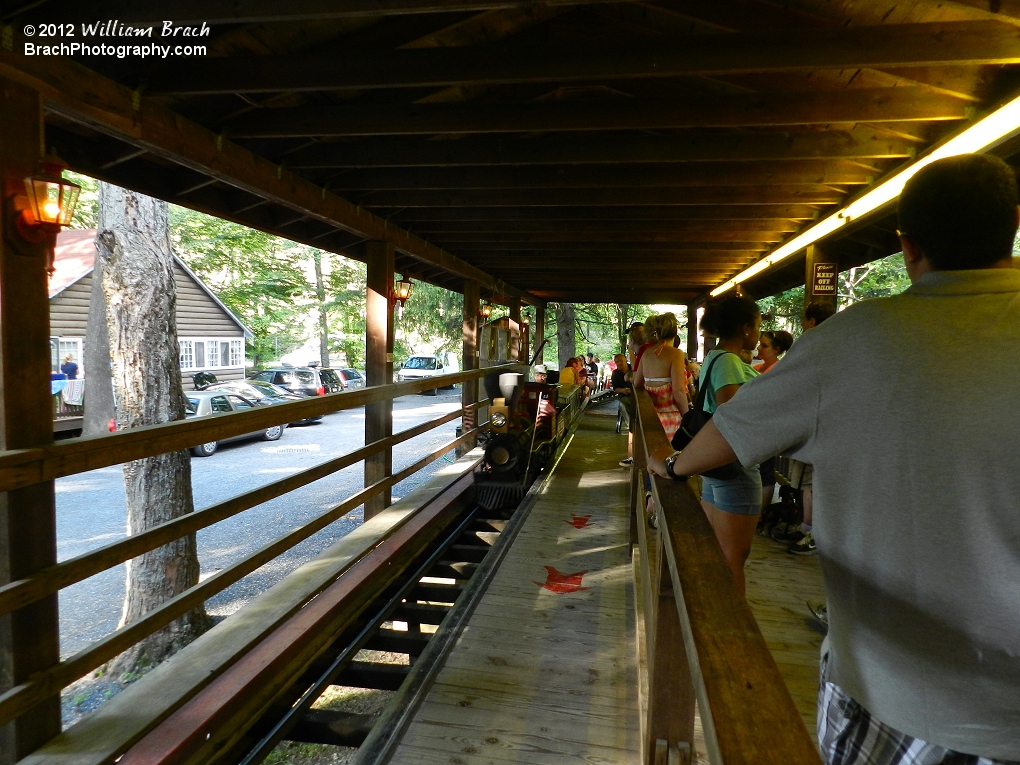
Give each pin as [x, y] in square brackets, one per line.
[982, 136]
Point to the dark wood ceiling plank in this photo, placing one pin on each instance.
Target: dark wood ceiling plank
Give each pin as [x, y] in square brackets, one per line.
[747, 110]
[803, 172]
[425, 217]
[710, 195]
[595, 149]
[608, 225]
[273, 11]
[584, 238]
[965, 43]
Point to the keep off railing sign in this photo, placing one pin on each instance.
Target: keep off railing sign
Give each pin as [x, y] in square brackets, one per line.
[823, 281]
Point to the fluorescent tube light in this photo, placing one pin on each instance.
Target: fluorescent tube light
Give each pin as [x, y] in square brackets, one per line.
[982, 136]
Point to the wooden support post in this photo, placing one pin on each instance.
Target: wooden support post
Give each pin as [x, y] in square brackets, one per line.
[539, 333]
[515, 341]
[820, 277]
[379, 365]
[469, 388]
[692, 331]
[29, 637]
[670, 686]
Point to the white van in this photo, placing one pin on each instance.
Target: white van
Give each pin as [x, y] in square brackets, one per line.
[419, 367]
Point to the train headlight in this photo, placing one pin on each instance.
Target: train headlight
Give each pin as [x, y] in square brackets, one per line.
[498, 419]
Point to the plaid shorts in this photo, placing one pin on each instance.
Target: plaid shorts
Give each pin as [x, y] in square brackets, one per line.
[849, 735]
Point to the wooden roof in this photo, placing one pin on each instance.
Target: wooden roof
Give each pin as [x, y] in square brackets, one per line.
[592, 150]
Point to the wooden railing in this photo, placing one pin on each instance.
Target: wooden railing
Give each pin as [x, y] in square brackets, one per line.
[25, 467]
[701, 641]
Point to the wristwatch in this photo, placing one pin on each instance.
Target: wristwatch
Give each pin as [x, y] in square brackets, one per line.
[670, 461]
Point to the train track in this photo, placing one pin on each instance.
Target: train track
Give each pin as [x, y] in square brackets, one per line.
[441, 582]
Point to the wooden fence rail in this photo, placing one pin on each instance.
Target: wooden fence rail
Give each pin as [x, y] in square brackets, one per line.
[21, 468]
[714, 652]
[49, 580]
[24, 467]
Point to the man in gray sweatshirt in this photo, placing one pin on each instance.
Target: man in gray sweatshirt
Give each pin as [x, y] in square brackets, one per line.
[916, 482]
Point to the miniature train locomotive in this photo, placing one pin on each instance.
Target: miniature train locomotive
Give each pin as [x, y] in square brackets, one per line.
[526, 424]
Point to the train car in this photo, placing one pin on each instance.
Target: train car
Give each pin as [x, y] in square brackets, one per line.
[527, 422]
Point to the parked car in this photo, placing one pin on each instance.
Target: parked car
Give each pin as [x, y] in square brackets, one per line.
[304, 381]
[263, 393]
[420, 367]
[353, 379]
[205, 403]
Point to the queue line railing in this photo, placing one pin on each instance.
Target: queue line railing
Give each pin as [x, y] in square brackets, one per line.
[702, 646]
[26, 467]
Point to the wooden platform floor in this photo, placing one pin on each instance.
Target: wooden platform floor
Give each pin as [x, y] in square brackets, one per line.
[546, 670]
[779, 586]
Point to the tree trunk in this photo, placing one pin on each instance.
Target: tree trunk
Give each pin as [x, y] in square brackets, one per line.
[99, 406]
[320, 297]
[566, 326]
[134, 244]
[622, 324]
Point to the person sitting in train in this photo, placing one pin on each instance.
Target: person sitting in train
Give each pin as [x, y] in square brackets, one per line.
[568, 375]
[539, 373]
[915, 481]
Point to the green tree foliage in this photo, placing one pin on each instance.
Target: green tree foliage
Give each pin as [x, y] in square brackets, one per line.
[880, 278]
[432, 319]
[86, 212]
[255, 274]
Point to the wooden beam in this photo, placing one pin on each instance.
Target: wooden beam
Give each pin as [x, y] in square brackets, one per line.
[872, 105]
[433, 217]
[30, 637]
[515, 241]
[379, 367]
[966, 43]
[803, 172]
[469, 356]
[81, 95]
[859, 143]
[604, 225]
[714, 195]
[271, 12]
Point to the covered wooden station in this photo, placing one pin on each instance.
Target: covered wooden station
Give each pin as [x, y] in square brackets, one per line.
[516, 151]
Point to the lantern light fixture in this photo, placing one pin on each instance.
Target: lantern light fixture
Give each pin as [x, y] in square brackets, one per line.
[485, 310]
[49, 201]
[402, 291]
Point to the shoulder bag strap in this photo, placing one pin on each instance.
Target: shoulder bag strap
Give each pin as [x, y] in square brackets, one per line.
[704, 382]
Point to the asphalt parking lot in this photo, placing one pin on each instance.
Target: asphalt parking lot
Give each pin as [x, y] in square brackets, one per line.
[91, 509]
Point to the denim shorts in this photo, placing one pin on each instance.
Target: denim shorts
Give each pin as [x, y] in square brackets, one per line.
[740, 495]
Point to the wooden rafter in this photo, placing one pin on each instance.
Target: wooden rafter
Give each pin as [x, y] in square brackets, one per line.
[970, 43]
[591, 149]
[80, 95]
[745, 110]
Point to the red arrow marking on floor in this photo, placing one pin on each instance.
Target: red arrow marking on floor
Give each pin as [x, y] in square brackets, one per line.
[561, 583]
[578, 521]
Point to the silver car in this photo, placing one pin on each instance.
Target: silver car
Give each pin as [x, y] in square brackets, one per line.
[203, 403]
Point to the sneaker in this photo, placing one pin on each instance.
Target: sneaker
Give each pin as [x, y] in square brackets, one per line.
[785, 533]
[627, 462]
[806, 546]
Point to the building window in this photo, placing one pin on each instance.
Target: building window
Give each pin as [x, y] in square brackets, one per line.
[187, 354]
[61, 348]
[200, 355]
[212, 353]
[236, 353]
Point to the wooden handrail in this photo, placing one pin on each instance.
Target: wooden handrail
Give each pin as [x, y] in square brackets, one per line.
[22, 592]
[747, 713]
[23, 467]
[21, 698]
